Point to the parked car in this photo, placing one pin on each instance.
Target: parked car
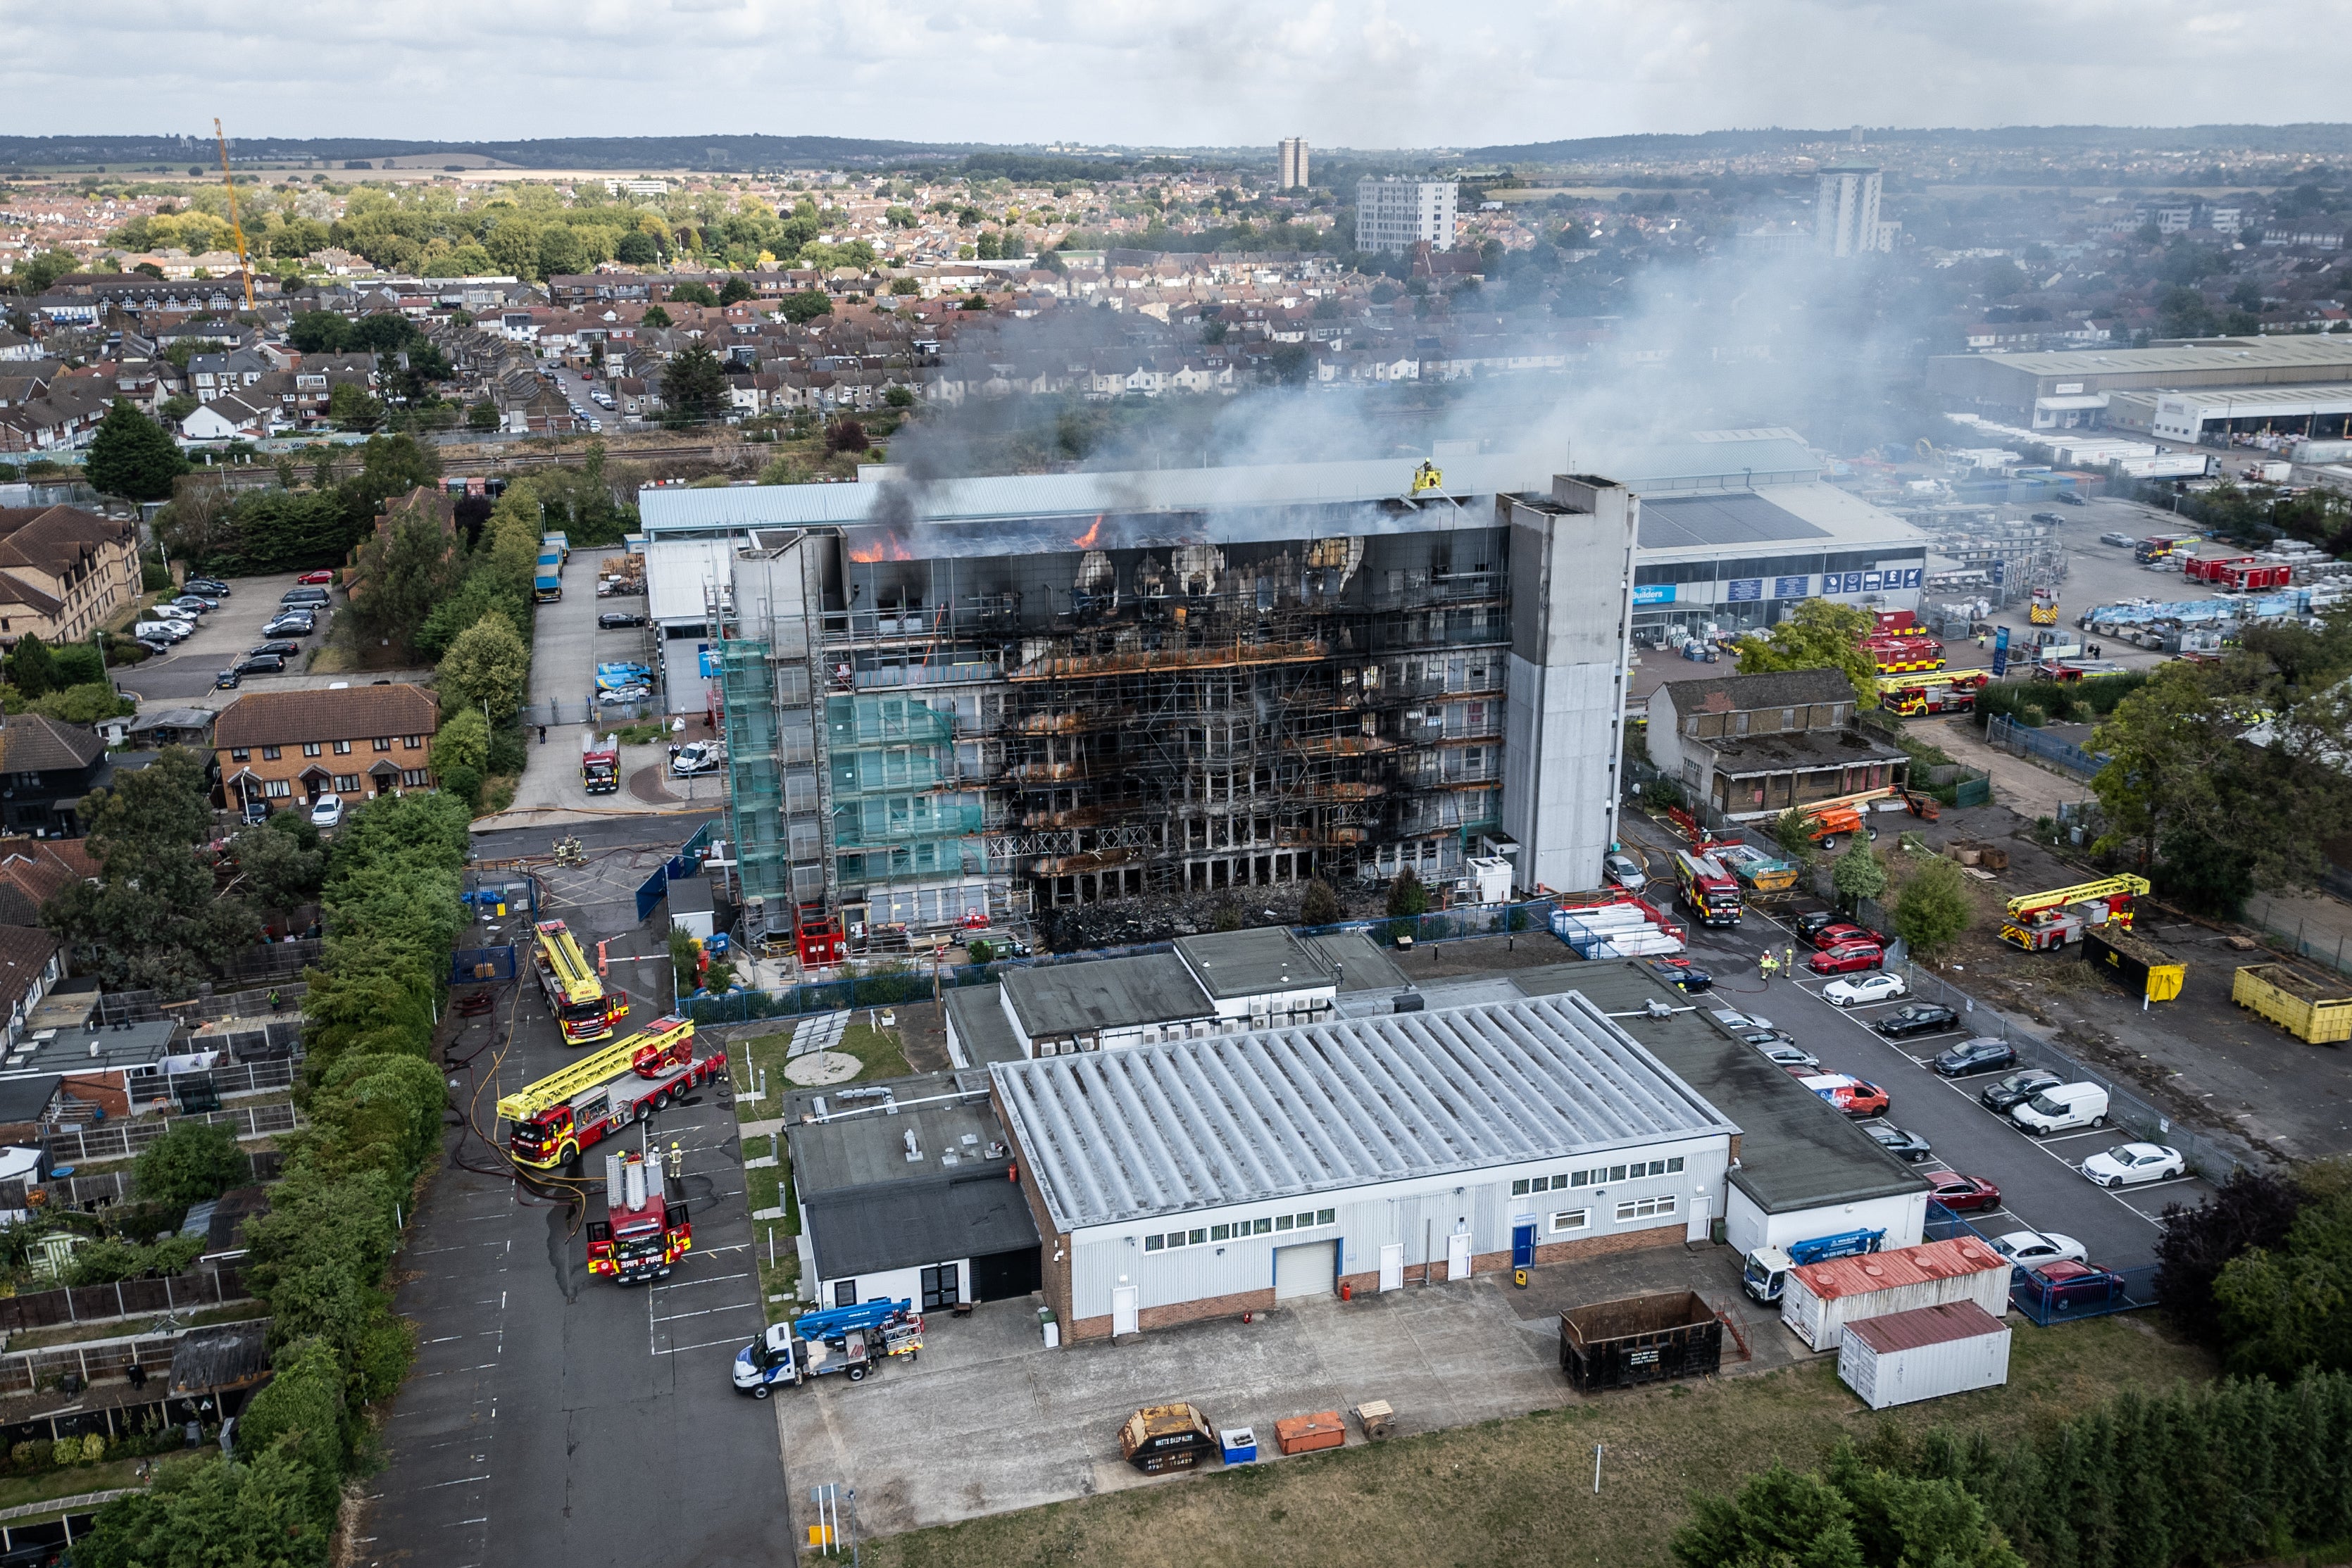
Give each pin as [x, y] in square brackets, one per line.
[695, 757]
[1965, 1194]
[2124, 540]
[327, 810]
[163, 628]
[2071, 500]
[2062, 1108]
[1881, 986]
[1783, 1052]
[1904, 1145]
[312, 596]
[262, 664]
[282, 648]
[1625, 872]
[2018, 1088]
[195, 603]
[1816, 920]
[1982, 1054]
[2027, 1248]
[210, 587]
[2067, 1282]
[254, 812]
[316, 578]
[2048, 517]
[1838, 930]
[290, 626]
[624, 696]
[1847, 958]
[228, 681]
[155, 645]
[1854, 1096]
[1683, 975]
[2127, 1165]
[615, 620]
[1917, 1017]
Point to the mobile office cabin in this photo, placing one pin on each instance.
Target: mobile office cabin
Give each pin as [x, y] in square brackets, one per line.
[1639, 1339]
[2145, 970]
[1821, 1300]
[2315, 1011]
[1924, 1353]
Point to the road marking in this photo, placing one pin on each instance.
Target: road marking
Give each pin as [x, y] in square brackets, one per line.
[2069, 1137]
[713, 1280]
[2153, 1186]
[679, 1349]
[730, 1307]
[461, 1480]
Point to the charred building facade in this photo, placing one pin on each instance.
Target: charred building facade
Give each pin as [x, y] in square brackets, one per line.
[1009, 694]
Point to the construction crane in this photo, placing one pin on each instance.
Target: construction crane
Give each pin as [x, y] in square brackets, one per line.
[243, 267]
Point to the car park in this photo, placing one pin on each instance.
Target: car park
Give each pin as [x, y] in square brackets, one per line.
[1985, 1053]
[1904, 1145]
[2026, 1248]
[261, 664]
[2018, 1088]
[1917, 1017]
[1624, 871]
[166, 630]
[2127, 1165]
[281, 647]
[316, 578]
[615, 620]
[1847, 958]
[1882, 986]
[154, 644]
[327, 810]
[1838, 930]
[2062, 1108]
[2070, 1282]
[1964, 1194]
[1854, 1096]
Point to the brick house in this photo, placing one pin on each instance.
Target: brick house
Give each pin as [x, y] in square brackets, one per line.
[284, 749]
[1754, 746]
[63, 571]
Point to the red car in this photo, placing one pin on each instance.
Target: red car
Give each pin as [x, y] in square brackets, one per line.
[1847, 958]
[1844, 931]
[1856, 1097]
[316, 578]
[1961, 1193]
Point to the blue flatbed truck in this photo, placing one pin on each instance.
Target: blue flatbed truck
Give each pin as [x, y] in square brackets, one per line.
[852, 1340]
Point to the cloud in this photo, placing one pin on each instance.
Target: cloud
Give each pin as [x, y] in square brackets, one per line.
[1361, 73]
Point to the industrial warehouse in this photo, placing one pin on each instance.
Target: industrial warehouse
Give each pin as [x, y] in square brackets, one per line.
[989, 696]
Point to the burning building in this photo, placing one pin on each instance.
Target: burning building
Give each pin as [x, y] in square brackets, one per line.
[998, 695]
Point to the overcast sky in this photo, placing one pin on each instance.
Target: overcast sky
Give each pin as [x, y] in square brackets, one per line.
[1355, 73]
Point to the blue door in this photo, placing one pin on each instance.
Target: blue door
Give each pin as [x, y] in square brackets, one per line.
[1523, 1244]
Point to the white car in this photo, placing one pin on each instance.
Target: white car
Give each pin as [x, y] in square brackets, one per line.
[2128, 1162]
[624, 695]
[327, 811]
[1880, 987]
[2026, 1248]
[696, 756]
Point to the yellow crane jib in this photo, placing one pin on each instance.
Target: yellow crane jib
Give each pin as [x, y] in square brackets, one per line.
[243, 267]
[2027, 903]
[665, 1041]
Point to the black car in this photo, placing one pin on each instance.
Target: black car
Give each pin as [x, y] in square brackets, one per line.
[290, 626]
[1684, 977]
[1903, 1146]
[261, 664]
[283, 649]
[2048, 517]
[1917, 1017]
[1982, 1054]
[1814, 922]
[2071, 500]
[615, 620]
[210, 587]
[228, 681]
[2018, 1087]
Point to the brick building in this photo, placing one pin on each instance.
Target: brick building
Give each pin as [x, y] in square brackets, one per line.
[284, 749]
[63, 571]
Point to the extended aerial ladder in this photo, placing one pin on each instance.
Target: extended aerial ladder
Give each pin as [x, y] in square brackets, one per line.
[243, 267]
[2039, 921]
[668, 1043]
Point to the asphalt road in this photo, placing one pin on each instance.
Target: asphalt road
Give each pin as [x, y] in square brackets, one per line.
[554, 1418]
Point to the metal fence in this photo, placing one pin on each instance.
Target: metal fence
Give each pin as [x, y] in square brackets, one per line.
[145, 1006]
[2046, 1303]
[2302, 942]
[100, 1188]
[686, 863]
[2126, 1109]
[118, 1139]
[469, 964]
[126, 1299]
[2022, 740]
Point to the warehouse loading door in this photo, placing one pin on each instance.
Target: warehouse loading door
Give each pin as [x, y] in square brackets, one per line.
[1304, 1271]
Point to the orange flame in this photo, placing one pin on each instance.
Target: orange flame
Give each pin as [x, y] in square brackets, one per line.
[885, 545]
[1087, 539]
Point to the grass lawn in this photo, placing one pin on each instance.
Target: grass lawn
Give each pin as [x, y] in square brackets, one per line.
[72, 1482]
[876, 1048]
[772, 1187]
[1520, 1490]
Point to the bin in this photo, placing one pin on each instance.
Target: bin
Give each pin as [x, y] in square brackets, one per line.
[1239, 1444]
[1165, 1437]
[1307, 1434]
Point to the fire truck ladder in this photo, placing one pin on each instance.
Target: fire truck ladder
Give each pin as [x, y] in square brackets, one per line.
[571, 965]
[592, 1070]
[2030, 904]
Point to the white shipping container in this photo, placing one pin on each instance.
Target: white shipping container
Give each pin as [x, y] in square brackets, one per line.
[1924, 1353]
[1821, 1299]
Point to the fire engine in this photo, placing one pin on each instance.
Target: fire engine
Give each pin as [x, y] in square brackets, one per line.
[600, 763]
[1900, 654]
[598, 1095]
[2044, 611]
[1708, 891]
[2039, 922]
[1935, 691]
[643, 1227]
[574, 993]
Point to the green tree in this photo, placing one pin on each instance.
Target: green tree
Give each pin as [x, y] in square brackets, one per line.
[1779, 1518]
[1901, 1520]
[2288, 1308]
[481, 416]
[464, 741]
[408, 571]
[736, 289]
[806, 305]
[85, 704]
[193, 1161]
[203, 1509]
[692, 292]
[177, 407]
[1407, 897]
[280, 863]
[1859, 874]
[655, 317]
[1933, 908]
[133, 456]
[30, 666]
[1319, 905]
[485, 589]
[1817, 634]
[305, 1407]
[488, 664]
[352, 407]
[2165, 744]
[1792, 829]
[35, 273]
[694, 384]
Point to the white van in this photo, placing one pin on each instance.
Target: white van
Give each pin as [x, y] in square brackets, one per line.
[169, 631]
[2063, 1106]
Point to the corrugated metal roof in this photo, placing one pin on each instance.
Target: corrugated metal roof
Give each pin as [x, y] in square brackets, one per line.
[1121, 1134]
[2233, 354]
[1925, 1326]
[1904, 1266]
[1734, 518]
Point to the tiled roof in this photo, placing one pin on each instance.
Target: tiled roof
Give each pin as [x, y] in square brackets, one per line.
[288, 718]
[1780, 688]
[30, 743]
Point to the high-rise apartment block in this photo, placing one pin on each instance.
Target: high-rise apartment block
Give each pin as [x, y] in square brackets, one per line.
[1395, 214]
[1294, 162]
[1845, 211]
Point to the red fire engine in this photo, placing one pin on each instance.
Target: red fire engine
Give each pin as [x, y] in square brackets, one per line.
[598, 1095]
[643, 1227]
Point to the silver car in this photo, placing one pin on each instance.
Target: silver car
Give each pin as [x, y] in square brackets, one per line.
[1625, 872]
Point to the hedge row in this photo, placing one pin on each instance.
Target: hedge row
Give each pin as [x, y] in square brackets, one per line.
[375, 1102]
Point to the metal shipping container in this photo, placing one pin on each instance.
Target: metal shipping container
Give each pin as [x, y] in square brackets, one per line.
[2145, 969]
[1640, 1339]
[1924, 1353]
[1821, 1299]
[2316, 1012]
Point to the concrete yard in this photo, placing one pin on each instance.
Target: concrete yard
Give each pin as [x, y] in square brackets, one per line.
[988, 1419]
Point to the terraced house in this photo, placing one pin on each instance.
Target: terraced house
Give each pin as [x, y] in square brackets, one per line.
[281, 749]
[63, 571]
